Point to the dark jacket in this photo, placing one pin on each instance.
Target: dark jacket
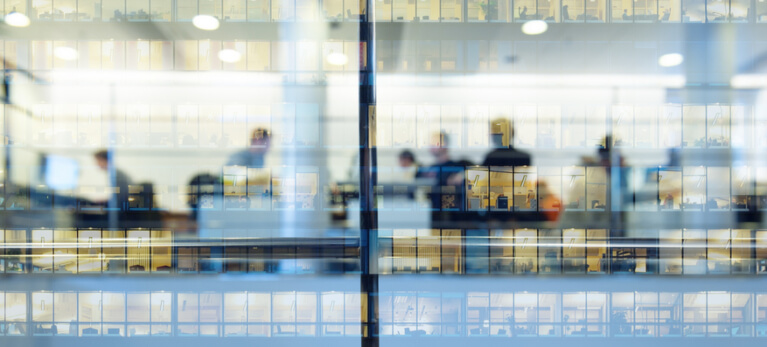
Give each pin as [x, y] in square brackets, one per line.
[507, 157]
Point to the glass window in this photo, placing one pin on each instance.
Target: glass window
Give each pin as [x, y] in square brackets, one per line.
[595, 11]
[549, 319]
[670, 126]
[718, 180]
[333, 10]
[574, 188]
[694, 252]
[694, 188]
[160, 10]
[646, 314]
[670, 10]
[90, 257]
[526, 10]
[694, 126]
[670, 311]
[719, 314]
[42, 309]
[597, 314]
[283, 10]
[646, 11]
[477, 313]
[138, 250]
[574, 314]
[478, 257]
[186, 10]
[695, 314]
[742, 245]
[596, 188]
[16, 312]
[89, 314]
[258, 10]
[501, 314]
[622, 11]
[89, 10]
[113, 10]
[452, 251]
[477, 196]
[596, 251]
[42, 251]
[719, 247]
[572, 11]
[761, 251]
[670, 188]
[718, 127]
[16, 6]
[526, 251]
[234, 11]
[671, 251]
[137, 10]
[64, 307]
[549, 251]
[694, 11]
[761, 11]
[404, 251]
[525, 317]
[451, 11]
[502, 251]
[761, 315]
[573, 250]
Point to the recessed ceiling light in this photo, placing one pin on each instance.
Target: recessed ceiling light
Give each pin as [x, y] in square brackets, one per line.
[229, 56]
[16, 19]
[337, 58]
[671, 59]
[535, 27]
[65, 53]
[205, 22]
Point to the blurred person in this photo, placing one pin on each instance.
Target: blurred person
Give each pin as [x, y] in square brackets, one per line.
[118, 179]
[253, 156]
[447, 176]
[408, 167]
[505, 155]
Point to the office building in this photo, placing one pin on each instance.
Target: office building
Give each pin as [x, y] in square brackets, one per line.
[388, 172]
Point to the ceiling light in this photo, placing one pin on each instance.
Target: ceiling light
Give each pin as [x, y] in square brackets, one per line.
[16, 19]
[65, 53]
[671, 59]
[337, 59]
[229, 56]
[535, 27]
[205, 22]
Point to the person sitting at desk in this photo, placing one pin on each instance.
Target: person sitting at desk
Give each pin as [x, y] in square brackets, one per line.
[253, 157]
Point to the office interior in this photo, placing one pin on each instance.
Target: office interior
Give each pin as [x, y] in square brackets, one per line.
[639, 217]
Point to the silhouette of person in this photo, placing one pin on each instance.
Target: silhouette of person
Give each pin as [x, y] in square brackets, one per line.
[120, 179]
[253, 156]
[506, 155]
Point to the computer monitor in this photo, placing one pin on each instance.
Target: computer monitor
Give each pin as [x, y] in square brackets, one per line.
[61, 172]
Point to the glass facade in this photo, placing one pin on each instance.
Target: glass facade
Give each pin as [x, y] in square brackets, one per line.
[560, 11]
[329, 314]
[383, 172]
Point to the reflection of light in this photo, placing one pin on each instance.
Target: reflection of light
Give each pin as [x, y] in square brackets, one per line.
[205, 22]
[229, 56]
[337, 59]
[671, 59]
[65, 53]
[535, 27]
[748, 81]
[16, 19]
